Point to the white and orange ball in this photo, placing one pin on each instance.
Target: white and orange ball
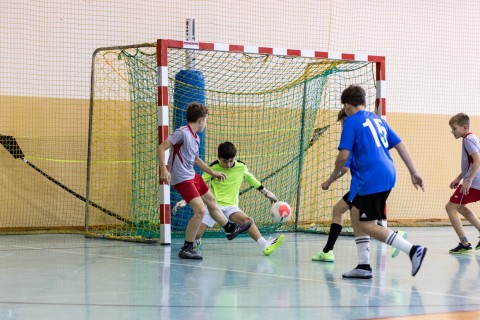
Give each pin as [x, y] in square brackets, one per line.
[281, 212]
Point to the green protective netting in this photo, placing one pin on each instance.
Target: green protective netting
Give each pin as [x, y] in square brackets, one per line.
[124, 140]
[279, 111]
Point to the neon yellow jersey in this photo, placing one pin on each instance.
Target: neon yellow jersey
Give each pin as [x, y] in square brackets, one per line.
[227, 192]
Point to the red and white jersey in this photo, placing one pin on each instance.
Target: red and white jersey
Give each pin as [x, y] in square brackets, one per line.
[470, 145]
[183, 154]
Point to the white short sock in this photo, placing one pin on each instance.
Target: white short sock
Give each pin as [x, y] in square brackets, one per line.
[262, 242]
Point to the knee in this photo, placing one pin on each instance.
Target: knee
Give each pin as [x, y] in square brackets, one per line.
[449, 207]
[199, 212]
[244, 219]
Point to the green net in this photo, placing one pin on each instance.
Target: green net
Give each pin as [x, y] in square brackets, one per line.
[123, 144]
[279, 111]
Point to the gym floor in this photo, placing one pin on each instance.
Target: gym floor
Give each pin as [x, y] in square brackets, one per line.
[73, 277]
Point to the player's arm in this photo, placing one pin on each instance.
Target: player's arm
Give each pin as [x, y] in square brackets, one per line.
[162, 148]
[340, 162]
[206, 178]
[255, 183]
[417, 180]
[467, 181]
[342, 172]
[206, 168]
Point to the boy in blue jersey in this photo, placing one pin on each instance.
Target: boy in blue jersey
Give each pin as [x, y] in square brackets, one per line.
[227, 194]
[185, 143]
[368, 138]
[339, 209]
[342, 206]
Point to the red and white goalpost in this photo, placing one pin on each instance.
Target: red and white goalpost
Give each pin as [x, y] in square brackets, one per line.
[163, 45]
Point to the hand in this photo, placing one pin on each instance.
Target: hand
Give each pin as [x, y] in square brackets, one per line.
[178, 205]
[454, 184]
[467, 183]
[269, 194]
[165, 177]
[417, 181]
[220, 176]
[326, 184]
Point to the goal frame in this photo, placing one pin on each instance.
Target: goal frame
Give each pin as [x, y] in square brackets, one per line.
[163, 108]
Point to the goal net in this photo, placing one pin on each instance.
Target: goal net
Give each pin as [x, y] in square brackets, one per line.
[279, 107]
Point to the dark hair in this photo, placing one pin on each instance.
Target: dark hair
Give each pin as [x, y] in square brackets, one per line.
[227, 150]
[196, 110]
[354, 95]
[341, 115]
[460, 119]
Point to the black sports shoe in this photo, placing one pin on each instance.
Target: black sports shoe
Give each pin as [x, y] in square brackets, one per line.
[478, 246]
[239, 228]
[189, 253]
[461, 249]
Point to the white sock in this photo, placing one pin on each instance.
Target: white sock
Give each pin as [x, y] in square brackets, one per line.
[363, 249]
[398, 242]
[262, 242]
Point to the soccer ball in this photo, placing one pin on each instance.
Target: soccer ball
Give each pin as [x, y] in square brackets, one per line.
[281, 212]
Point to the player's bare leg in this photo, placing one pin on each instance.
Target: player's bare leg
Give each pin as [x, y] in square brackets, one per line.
[187, 251]
[470, 216]
[213, 209]
[326, 255]
[453, 212]
[241, 217]
[267, 246]
[232, 230]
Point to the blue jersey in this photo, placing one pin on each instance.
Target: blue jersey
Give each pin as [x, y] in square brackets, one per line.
[354, 174]
[369, 139]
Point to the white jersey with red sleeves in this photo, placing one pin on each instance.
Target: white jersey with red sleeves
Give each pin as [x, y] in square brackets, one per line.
[183, 154]
[470, 145]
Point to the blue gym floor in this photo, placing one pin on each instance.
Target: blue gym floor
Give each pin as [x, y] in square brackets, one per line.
[73, 277]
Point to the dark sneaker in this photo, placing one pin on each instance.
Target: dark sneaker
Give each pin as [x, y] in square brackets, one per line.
[461, 249]
[239, 228]
[189, 253]
[419, 253]
[478, 246]
[358, 274]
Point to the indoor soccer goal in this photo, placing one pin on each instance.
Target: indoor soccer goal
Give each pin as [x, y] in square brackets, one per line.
[278, 106]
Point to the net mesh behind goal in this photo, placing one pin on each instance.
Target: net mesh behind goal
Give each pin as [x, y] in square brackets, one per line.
[279, 110]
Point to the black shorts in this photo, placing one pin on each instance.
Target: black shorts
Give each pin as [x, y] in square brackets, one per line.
[372, 206]
[345, 198]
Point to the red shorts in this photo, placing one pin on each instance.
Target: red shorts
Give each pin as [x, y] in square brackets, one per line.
[191, 189]
[459, 198]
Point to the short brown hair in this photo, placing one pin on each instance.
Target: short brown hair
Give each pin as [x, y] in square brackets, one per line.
[195, 111]
[341, 115]
[460, 119]
[354, 95]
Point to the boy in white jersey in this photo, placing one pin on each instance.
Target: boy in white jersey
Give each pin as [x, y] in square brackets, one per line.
[227, 194]
[184, 143]
[469, 190]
